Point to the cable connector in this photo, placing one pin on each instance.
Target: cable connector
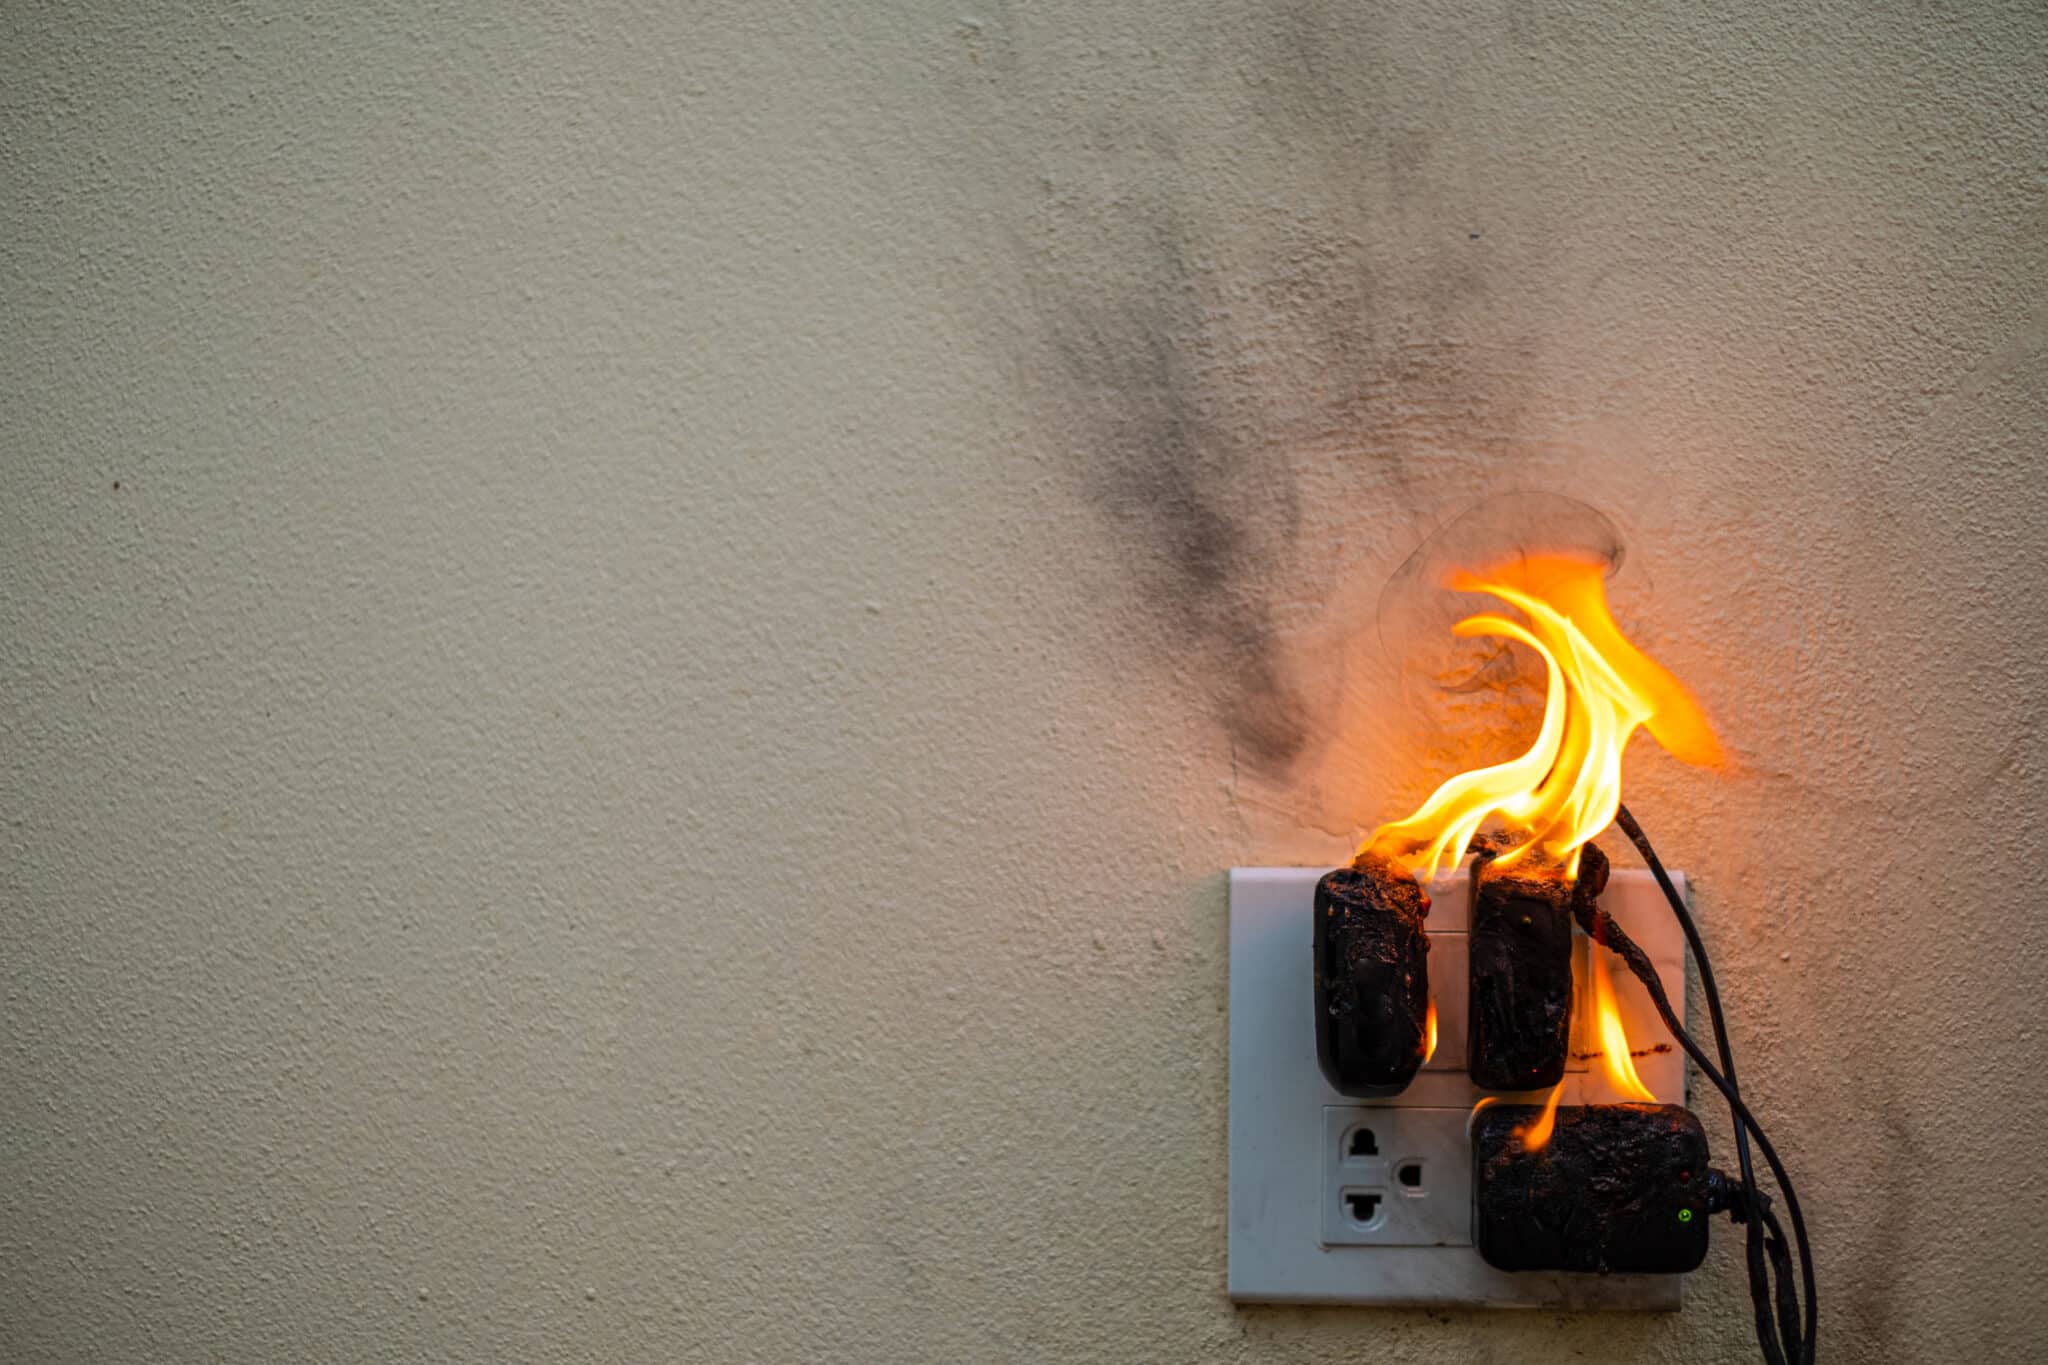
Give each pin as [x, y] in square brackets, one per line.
[1725, 1194]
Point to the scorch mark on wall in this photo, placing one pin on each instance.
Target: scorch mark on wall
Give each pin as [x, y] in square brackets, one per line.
[1244, 388]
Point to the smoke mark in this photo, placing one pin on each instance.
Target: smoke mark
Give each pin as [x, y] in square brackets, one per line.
[1207, 367]
[1197, 513]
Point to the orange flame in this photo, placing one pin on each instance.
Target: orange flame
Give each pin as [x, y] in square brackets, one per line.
[1536, 1136]
[1614, 1053]
[1565, 789]
[1429, 1036]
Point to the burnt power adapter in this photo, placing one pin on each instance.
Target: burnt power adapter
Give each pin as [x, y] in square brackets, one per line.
[1617, 1188]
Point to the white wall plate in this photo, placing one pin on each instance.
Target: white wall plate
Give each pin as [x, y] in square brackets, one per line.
[1336, 1200]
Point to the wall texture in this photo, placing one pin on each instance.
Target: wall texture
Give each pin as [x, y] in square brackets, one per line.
[631, 640]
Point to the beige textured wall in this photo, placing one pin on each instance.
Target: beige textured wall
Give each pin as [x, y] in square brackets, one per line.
[631, 640]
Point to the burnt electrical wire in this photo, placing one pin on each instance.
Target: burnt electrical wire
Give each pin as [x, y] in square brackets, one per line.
[1784, 1334]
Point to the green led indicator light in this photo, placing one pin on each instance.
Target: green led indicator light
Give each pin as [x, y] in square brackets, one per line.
[1685, 1215]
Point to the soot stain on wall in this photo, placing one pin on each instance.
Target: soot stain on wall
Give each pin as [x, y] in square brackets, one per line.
[1160, 453]
[1202, 368]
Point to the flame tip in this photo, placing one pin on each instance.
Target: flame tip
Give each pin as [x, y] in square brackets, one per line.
[1535, 1135]
[1600, 689]
[1615, 1053]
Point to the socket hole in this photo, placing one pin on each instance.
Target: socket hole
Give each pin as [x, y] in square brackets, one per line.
[1365, 1208]
[1409, 1173]
[1363, 1143]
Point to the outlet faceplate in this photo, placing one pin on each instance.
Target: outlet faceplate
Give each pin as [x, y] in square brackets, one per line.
[1321, 1214]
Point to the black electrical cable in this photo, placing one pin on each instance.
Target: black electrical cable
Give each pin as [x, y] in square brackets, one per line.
[1754, 1208]
[1801, 1344]
[1781, 1265]
[1612, 936]
[1753, 1229]
[1726, 1194]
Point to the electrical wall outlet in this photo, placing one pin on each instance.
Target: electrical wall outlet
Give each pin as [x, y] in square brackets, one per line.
[1385, 1182]
[1336, 1200]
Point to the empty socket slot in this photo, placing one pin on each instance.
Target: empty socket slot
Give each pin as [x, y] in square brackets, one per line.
[1364, 1207]
[1361, 1143]
[1409, 1173]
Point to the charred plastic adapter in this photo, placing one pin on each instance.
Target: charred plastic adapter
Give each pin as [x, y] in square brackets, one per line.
[1619, 1188]
[1519, 998]
[1371, 977]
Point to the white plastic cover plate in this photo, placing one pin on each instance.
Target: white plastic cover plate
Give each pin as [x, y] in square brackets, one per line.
[1335, 1200]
